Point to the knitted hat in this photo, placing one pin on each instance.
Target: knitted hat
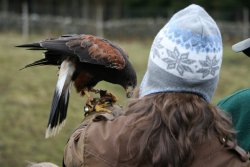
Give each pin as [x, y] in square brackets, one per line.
[185, 56]
[239, 107]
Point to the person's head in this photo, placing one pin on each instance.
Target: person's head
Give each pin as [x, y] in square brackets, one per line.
[166, 126]
[173, 110]
[185, 56]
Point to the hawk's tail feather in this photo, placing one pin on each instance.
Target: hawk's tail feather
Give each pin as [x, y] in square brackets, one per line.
[51, 58]
[58, 121]
[37, 63]
[60, 101]
[32, 46]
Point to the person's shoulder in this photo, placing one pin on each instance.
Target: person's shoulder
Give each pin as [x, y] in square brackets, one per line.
[106, 138]
[108, 123]
[238, 98]
[98, 141]
[220, 152]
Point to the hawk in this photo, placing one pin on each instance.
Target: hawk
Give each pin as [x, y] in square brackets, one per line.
[83, 60]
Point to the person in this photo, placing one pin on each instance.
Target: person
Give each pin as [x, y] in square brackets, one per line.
[238, 106]
[41, 164]
[171, 122]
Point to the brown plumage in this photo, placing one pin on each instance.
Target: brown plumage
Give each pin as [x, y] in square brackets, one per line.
[84, 60]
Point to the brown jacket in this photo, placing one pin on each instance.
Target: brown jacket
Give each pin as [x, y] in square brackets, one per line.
[100, 142]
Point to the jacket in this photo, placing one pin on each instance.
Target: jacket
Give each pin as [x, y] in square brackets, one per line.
[100, 141]
[238, 106]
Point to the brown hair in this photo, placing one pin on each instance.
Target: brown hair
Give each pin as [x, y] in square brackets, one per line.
[168, 125]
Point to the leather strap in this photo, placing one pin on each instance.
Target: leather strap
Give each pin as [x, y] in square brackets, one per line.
[244, 156]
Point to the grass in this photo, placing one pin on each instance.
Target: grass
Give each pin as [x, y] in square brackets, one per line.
[25, 98]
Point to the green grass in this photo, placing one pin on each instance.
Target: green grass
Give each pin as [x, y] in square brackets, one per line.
[25, 98]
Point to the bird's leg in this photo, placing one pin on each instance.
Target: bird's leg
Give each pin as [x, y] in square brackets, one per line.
[107, 96]
[104, 94]
[89, 97]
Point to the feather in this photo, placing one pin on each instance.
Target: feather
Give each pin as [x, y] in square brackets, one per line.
[61, 97]
[32, 46]
[36, 63]
[51, 58]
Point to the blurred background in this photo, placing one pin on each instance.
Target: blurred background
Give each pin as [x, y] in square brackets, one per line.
[25, 96]
[119, 18]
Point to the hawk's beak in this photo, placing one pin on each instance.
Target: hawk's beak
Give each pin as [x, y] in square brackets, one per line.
[129, 91]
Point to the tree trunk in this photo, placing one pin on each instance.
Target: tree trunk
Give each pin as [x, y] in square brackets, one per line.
[74, 8]
[99, 18]
[245, 23]
[25, 20]
[85, 9]
[4, 7]
[117, 9]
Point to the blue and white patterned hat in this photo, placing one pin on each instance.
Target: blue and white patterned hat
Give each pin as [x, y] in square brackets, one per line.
[186, 55]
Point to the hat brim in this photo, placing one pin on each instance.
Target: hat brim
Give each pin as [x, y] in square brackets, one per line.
[243, 46]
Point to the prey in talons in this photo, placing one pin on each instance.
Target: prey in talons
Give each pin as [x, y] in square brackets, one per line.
[100, 104]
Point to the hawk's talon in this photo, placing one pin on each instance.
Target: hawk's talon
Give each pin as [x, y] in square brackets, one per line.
[98, 104]
[101, 108]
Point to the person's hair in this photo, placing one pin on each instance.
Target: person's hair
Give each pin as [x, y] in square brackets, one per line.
[168, 125]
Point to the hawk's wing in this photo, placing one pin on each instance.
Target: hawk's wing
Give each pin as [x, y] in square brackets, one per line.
[87, 48]
[91, 49]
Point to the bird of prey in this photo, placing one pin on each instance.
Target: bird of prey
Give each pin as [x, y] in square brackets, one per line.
[83, 60]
